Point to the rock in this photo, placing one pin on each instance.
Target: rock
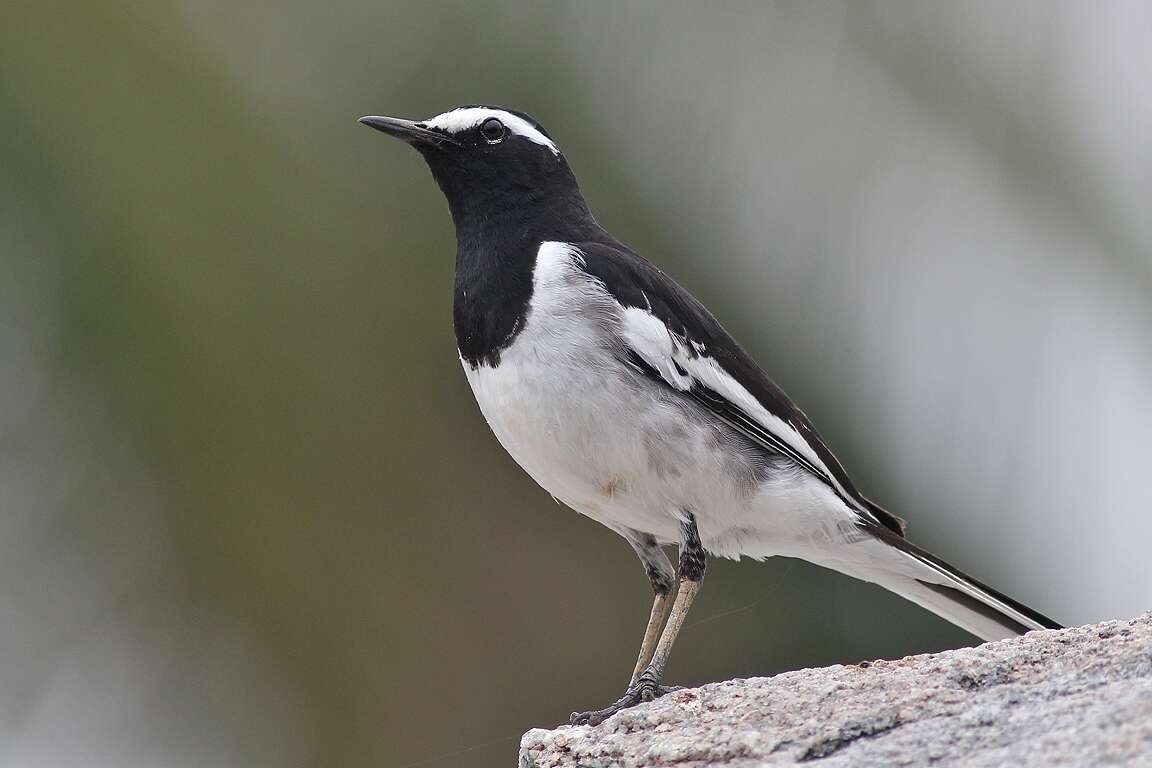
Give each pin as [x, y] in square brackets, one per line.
[1074, 697]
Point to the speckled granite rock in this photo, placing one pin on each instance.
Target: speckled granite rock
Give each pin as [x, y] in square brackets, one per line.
[1077, 697]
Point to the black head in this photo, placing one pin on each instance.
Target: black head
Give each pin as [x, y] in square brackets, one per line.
[509, 189]
[493, 164]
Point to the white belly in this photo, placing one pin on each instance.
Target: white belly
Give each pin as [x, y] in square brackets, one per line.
[574, 433]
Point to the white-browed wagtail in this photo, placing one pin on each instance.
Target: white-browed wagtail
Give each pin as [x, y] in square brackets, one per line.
[624, 398]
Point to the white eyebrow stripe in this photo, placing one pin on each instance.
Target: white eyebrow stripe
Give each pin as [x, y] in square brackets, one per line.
[466, 118]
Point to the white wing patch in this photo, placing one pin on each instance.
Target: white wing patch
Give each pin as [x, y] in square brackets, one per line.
[467, 118]
[651, 339]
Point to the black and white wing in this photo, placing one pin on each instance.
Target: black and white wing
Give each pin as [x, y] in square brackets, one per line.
[674, 339]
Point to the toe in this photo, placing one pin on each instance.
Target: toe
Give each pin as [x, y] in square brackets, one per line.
[645, 691]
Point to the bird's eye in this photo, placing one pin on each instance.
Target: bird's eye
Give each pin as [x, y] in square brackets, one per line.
[492, 130]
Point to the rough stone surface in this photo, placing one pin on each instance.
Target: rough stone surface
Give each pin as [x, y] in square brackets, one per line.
[1075, 697]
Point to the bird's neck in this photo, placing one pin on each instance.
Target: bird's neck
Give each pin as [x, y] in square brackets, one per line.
[497, 241]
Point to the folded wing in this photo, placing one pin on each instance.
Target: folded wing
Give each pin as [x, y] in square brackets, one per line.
[672, 338]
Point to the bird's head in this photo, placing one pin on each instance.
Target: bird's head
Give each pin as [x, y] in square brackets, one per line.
[490, 162]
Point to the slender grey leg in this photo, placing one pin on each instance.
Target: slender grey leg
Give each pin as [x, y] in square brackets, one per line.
[646, 685]
[662, 576]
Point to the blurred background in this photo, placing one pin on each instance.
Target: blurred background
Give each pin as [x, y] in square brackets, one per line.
[249, 512]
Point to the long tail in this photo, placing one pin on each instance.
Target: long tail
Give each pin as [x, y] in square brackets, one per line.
[887, 559]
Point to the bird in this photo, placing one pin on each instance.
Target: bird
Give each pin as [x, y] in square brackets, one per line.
[624, 398]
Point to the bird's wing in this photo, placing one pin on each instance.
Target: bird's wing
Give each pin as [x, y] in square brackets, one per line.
[673, 338]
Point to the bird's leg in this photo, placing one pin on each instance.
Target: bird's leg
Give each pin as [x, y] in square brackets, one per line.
[648, 682]
[646, 685]
[662, 577]
[660, 608]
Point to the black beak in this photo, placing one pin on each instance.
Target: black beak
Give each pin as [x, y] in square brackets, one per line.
[408, 131]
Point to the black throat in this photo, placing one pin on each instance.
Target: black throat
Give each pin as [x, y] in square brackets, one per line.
[500, 224]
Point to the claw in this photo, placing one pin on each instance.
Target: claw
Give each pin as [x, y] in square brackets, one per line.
[642, 691]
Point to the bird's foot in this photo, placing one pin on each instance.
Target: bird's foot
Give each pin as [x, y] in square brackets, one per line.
[644, 689]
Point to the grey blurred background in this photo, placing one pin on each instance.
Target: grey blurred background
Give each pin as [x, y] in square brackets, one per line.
[249, 512]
